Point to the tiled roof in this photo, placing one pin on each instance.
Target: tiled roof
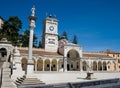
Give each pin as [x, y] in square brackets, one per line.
[111, 52]
[99, 55]
[38, 52]
[85, 54]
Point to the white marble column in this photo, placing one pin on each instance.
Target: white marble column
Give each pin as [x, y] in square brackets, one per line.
[57, 65]
[116, 65]
[65, 64]
[107, 67]
[97, 65]
[43, 65]
[102, 65]
[91, 65]
[30, 63]
[35, 65]
[81, 66]
[50, 64]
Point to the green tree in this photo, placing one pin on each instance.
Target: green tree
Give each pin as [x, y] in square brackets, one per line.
[35, 41]
[10, 29]
[40, 44]
[24, 39]
[75, 39]
[64, 35]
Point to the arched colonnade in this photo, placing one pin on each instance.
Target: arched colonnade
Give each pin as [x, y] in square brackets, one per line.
[56, 64]
[99, 65]
[43, 64]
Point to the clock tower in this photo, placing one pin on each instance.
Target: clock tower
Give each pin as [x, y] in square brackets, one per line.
[50, 34]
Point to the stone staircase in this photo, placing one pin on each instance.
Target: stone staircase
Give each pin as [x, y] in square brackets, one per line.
[27, 81]
[6, 81]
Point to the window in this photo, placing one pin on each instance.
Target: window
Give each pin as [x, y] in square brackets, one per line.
[109, 67]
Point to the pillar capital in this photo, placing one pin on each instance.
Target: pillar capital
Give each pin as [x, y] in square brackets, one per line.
[30, 62]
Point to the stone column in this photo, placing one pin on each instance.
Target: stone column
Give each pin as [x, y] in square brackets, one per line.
[97, 65]
[91, 65]
[43, 64]
[116, 65]
[65, 64]
[102, 65]
[50, 64]
[57, 65]
[30, 63]
[36, 65]
[81, 69]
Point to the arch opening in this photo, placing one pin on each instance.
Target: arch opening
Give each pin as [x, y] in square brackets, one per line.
[24, 64]
[54, 65]
[47, 65]
[73, 60]
[99, 66]
[39, 64]
[3, 54]
[84, 65]
[94, 66]
[104, 66]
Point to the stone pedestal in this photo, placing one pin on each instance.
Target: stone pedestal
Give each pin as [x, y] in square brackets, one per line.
[30, 67]
[6, 80]
[16, 65]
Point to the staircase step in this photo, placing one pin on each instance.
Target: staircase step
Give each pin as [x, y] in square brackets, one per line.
[32, 81]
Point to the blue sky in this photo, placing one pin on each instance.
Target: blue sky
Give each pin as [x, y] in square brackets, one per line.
[95, 22]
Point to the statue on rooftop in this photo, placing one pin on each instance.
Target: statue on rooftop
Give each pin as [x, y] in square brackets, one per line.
[33, 11]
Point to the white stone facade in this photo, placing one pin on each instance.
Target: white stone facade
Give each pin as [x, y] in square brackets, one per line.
[50, 34]
[1, 22]
[59, 56]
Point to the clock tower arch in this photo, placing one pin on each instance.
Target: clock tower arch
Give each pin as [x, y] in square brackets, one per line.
[50, 34]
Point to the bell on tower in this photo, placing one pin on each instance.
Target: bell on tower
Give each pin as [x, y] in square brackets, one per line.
[50, 34]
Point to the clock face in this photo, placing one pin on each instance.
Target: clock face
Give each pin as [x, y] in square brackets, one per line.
[51, 28]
